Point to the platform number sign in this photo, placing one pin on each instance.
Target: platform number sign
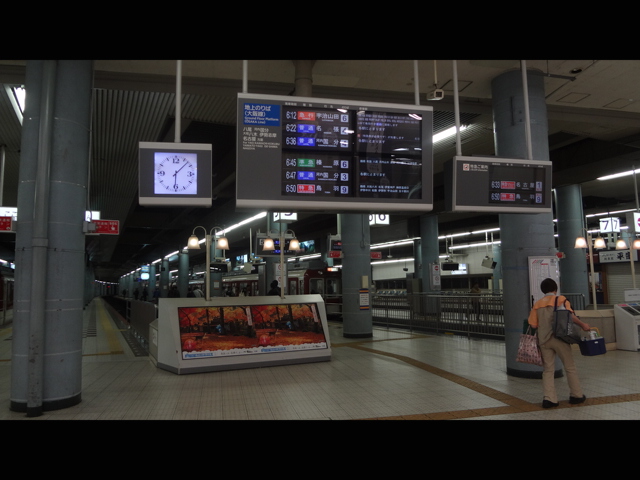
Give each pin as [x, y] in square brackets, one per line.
[610, 225]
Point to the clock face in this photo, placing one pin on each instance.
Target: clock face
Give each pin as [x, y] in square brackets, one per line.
[176, 173]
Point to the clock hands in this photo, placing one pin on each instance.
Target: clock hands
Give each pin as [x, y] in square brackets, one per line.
[175, 176]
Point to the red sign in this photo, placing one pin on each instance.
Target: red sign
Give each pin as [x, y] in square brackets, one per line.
[335, 254]
[376, 255]
[107, 227]
[306, 188]
[6, 224]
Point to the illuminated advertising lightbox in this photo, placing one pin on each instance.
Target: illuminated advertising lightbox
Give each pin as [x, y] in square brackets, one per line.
[296, 153]
[174, 174]
[243, 330]
[500, 185]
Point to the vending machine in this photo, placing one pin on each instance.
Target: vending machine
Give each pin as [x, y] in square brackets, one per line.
[627, 320]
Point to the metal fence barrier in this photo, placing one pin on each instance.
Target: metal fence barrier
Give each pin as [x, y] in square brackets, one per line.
[459, 313]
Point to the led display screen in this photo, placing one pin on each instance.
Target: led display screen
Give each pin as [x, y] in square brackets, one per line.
[318, 154]
[498, 185]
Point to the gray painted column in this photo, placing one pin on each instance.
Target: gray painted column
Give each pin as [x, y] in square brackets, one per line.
[165, 275]
[216, 288]
[522, 235]
[91, 289]
[59, 348]
[24, 250]
[356, 264]
[496, 251]
[430, 248]
[152, 279]
[183, 274]
[271, 263]
[573, 267]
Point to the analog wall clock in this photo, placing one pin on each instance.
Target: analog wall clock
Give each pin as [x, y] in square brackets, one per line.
[176, 173]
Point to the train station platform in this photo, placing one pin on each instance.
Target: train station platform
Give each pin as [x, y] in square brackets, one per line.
[394, 375]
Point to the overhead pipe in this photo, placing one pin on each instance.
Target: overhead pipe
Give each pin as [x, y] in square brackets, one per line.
[416, 83]
[456, 105]
[3, 151]
[245, 71]
[178, 126]
[527, 121]
[40, 243]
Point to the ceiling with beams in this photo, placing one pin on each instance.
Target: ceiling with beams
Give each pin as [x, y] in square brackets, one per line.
[593, 109]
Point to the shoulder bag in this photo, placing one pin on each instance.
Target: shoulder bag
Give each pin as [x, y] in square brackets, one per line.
[563, 327]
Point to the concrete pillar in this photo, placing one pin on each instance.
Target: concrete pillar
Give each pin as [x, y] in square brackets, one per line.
[356, 275]
[429, 248]
[152, 278]
[165, 276]
[47, 336]
[183, 274]
[570, 224]
[522, 235]
[496, 251]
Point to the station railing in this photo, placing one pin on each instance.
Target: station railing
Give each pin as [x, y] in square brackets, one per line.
[458, 313]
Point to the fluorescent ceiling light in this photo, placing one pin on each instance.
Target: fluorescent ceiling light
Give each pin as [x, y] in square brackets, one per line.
[447, 133]
[618, 175]
[16, 97]
[393, 261]
[392, 244]
[471, 245]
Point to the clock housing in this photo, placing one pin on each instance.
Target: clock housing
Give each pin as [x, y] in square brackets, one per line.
[175, 174]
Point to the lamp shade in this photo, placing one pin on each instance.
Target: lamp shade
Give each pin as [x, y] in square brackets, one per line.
[294, 244]
[268, 245]
[621, 244]
[636, 244]
[581, 242]
[599, 243]
[222, 243]
[193, 243]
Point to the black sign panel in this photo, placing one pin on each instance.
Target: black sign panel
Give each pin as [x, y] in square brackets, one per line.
[317, 154]
[498, 185]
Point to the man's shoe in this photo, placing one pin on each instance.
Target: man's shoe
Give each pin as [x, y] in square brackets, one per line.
[575, 400]
[549, 404]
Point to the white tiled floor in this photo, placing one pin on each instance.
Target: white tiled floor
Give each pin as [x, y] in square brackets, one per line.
[394, 375]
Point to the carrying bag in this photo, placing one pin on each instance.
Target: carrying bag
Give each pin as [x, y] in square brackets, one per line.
[593, 346]
[528, 350]
[563, 327]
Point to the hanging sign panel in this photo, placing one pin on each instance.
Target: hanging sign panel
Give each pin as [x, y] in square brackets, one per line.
[174, 174]
[296, 153]
[500, 185]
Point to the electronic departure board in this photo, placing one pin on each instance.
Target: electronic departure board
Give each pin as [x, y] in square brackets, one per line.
[489, 184]
[298, 153]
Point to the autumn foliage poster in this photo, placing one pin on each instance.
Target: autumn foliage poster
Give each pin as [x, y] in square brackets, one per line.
[249, 329]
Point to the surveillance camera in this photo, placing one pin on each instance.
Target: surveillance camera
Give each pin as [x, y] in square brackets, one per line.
[436, 94]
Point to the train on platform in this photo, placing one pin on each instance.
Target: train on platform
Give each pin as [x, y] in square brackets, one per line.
[324, 281]
[318, 278]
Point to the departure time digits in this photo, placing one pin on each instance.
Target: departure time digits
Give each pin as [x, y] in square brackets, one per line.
[316, 153]
[517, 185]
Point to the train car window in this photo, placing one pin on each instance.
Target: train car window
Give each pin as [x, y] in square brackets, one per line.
[293, 287]
[316, 285]
[334, 286]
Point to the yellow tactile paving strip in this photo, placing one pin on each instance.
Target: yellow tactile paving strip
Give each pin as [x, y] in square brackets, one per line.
[513, 405]
[110, 332]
